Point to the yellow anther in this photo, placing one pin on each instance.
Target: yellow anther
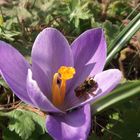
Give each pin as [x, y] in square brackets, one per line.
[59, 90]
[66, 72]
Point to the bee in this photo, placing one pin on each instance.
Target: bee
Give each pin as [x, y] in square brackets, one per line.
[87, 87]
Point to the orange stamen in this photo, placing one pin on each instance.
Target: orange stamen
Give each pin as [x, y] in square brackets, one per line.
[58, 92]
[56, 97]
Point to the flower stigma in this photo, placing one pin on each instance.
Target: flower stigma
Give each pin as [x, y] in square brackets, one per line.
[59, 89]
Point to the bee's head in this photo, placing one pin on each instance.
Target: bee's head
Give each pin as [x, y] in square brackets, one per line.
[91, 81]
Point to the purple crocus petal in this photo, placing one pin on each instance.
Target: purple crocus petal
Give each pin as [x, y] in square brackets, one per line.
[37, 97]
[13, 68]
[89, 51]
[107, 81]
[74, 125]
[51, 51]
[42, 80]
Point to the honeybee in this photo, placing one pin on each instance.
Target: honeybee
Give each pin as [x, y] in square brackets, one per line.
[87, 87]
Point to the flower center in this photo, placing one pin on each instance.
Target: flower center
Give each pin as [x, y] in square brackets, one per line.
[59, 84]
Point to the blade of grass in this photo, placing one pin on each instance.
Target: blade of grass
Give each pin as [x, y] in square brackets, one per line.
[130, 14]
[121, 94]
[123, 32]
[124, 36]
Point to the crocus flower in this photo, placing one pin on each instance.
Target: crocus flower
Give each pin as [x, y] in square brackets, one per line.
[57, 69]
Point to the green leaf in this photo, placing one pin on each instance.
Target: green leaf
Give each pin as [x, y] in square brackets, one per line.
[120, 94]
[110, 30]
[9, 135]
[123, 125]
[22, 124]
[73, 4]
[118, 8]
[1, 20]
[26, 124]
[124, 36]
[128, 127]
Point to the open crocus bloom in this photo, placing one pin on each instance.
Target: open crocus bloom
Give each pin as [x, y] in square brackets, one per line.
[57, 69]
